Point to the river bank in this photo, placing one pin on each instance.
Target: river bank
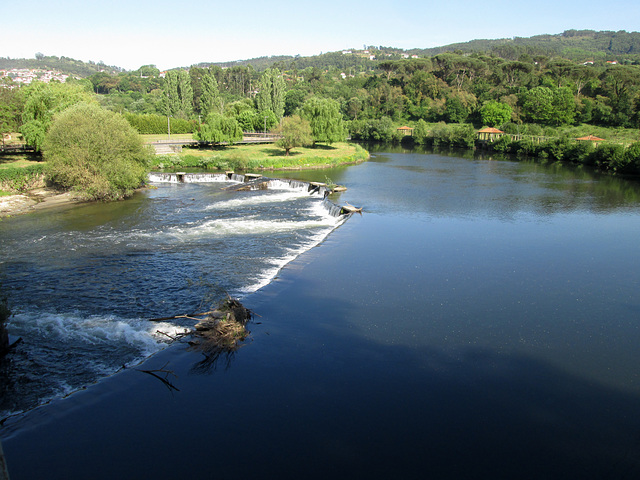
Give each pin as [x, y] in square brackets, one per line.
[36, 199]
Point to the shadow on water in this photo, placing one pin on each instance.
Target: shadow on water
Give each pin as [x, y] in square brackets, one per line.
[309, 400]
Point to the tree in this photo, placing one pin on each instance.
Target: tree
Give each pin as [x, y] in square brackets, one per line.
[219, 129]
[11, 105]
[295, 131]
[264, 121]
[549, 106]
[42, 102]
[210, 100]
[325, 118]
[455, 111]
[293, 100]
[271, 92]
[494, 113]
[178, 94]
[96, 152]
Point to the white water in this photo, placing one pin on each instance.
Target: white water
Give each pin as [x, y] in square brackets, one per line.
[83, 312]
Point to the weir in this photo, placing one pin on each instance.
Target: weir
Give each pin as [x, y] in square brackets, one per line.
[255, 181]
[181, 177]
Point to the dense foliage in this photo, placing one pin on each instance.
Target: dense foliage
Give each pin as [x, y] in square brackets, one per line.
[42, 102]
[219, 129]
[96, 152]
[537, 86]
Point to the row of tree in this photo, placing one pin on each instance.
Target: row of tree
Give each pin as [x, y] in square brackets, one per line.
[478, 89]
[450, 87]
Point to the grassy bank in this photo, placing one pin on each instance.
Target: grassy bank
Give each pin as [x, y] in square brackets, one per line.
[263, 157]
[19, 173]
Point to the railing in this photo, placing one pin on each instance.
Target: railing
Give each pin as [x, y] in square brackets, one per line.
[248, 137]
[16, 148]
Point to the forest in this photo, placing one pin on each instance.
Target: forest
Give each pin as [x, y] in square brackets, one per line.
[577, 81]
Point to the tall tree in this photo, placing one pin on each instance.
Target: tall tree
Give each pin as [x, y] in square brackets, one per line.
[271, 94]
[178, 94]
[11, 105]
[210, 100]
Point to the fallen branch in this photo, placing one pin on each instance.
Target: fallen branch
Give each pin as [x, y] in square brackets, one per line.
[164, 380]
[184, 315]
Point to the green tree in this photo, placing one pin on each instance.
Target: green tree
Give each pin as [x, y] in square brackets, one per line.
[549, 106]
[325, 118]
[42, 102]
[178, 94]
[455, 111]
[295, 131]
[264, 121]
[96, 152]
[494, 113]
[11, 105]
[210, 100]
[271, 93]
[293, 100]
[219, 129]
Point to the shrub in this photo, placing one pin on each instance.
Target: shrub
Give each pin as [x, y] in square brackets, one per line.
[95, 152]
[159, 124]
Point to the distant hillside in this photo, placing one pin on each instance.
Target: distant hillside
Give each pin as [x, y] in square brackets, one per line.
[576, 45]
[61, 64]
[579, 45]
[324, 61]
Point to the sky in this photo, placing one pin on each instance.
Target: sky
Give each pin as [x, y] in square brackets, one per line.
[133, 33]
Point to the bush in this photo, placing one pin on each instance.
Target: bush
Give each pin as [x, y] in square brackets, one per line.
[463, 135]
[95, 152]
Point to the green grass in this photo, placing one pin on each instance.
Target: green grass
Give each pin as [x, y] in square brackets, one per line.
[19, 161]
[264, 157]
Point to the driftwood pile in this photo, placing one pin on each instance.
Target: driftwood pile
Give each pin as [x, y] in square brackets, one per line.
[219, 331]
[225, 328]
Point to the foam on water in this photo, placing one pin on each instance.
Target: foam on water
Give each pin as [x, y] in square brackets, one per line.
[276, 197]
[156, 177]
[80, 311]
[92, 330]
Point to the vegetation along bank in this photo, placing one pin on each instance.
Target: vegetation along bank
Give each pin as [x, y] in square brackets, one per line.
[542, 92]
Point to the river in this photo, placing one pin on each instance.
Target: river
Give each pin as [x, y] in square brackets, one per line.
[478, 320]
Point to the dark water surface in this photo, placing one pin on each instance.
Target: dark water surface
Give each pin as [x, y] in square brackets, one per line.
[481, 319]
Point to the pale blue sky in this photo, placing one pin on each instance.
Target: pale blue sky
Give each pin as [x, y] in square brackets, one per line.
[172, 34]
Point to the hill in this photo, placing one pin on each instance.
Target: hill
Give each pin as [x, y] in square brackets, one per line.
[578, 45]
[66, 65]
